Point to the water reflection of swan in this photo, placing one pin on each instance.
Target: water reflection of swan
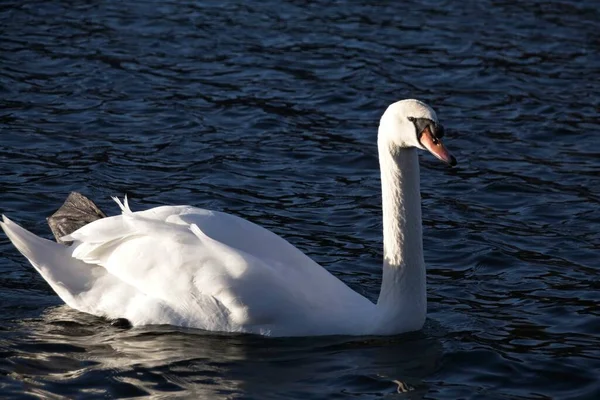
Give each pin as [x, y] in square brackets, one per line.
[72, 354]
[196, 268]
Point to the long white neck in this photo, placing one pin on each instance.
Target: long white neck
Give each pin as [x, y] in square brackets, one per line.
[402, 303]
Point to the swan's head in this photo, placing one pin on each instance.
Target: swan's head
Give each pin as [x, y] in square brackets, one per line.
[412, 123]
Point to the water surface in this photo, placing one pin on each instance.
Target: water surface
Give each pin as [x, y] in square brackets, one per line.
[269, 110]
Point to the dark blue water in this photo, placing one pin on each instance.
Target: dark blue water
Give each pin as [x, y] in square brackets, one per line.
[269, 110]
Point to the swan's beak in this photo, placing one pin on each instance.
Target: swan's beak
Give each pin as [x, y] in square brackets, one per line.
[436, 147]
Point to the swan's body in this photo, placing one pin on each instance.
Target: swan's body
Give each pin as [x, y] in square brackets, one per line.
[191, 267]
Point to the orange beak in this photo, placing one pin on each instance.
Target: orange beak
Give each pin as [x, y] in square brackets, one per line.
[436, 147]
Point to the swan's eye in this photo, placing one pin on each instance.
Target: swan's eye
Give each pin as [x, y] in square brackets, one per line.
[422, 123]
[438, 131]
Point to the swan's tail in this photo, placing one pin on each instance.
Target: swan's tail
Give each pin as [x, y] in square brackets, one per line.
[77, 211]
[66, 275]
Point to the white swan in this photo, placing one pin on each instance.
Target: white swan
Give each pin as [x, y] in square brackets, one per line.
[191, 267]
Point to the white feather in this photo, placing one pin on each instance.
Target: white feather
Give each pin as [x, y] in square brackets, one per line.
[191, 267]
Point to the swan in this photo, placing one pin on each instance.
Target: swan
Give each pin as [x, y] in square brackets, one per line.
[190, 267]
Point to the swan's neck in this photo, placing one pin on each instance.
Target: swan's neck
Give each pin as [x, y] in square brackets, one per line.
[402, 303]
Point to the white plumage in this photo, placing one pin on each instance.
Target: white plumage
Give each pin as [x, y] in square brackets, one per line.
[191, 267]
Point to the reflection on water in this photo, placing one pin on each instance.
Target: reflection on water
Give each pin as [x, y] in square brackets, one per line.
[69, 353]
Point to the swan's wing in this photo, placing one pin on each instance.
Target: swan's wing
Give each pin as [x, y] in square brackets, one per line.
[235, 232]
[217, 271]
